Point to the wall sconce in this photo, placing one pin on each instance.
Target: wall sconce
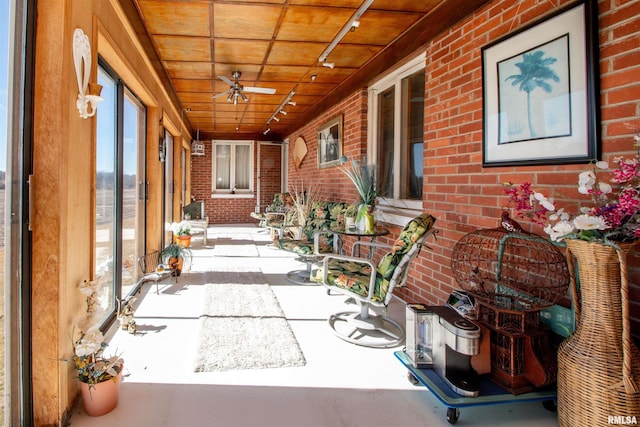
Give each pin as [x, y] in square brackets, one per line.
[88, 93]
[162, 148]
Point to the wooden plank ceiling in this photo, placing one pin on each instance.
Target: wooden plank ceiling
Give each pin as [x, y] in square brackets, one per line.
[276, 44]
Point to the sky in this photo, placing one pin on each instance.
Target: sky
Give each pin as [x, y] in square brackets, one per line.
[4, 64]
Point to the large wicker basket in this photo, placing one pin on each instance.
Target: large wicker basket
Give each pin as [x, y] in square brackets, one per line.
[599, 365]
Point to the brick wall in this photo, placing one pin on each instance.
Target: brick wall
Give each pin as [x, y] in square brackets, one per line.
[334, 184]
[236, 210]
[458, 191]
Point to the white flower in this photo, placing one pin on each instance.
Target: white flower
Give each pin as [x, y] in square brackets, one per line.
[90, 342]
[589, 222]
[544, 202]
[602, 165]
[605, 188]
[88, 287]
[587, 178]
[559, 230]
[560, 214]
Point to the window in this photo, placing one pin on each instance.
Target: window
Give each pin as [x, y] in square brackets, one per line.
[396, 128]
[233, 167]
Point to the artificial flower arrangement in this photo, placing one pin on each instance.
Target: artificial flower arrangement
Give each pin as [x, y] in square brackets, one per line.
[614, 213]
[92, 365]
[363, 177]
[180, 229]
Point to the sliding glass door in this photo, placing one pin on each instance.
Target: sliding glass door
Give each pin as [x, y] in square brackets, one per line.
[119, 206]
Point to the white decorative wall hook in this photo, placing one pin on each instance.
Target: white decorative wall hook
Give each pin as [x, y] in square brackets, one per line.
[88, 93]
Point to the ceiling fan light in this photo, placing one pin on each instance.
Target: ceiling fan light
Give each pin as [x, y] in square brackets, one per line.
[230, 97]
[244, 98]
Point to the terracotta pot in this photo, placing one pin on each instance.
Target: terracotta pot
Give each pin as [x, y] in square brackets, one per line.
[101, 398]
[175, 263]
[184, 241]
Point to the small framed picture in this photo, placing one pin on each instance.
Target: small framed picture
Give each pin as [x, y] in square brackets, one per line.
[330, 143]
[540, 91]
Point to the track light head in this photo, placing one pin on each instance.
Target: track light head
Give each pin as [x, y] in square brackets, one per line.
[292, 103]
[328, 64]
[276, 119]
[284, 113]
[267, 130]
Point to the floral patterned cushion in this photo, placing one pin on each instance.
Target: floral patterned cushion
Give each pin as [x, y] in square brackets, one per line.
[355, 278]
[322, 216]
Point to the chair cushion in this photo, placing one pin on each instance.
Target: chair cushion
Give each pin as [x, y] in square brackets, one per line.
[322, 216]
[355, 278]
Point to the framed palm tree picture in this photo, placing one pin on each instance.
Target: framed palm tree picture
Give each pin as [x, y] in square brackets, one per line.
[540, 91]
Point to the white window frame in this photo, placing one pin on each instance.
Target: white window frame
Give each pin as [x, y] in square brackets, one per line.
[392, 210]
[232, 192]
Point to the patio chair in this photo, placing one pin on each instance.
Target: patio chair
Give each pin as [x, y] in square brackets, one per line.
[314, 239]
[372, 285]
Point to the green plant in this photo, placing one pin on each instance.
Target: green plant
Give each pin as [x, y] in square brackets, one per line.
[351, 211]
[174, 250]
[91, 364]
[363, 177]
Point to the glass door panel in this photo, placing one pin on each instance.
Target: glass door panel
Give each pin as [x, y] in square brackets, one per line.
[132, 200]
[105, 194]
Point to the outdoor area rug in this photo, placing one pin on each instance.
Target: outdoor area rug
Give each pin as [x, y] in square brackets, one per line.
[243, 327]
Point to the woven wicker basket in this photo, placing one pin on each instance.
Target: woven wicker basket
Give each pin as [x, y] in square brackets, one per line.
[599, 365]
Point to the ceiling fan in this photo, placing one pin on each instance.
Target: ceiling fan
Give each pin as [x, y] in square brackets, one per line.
[236, 90]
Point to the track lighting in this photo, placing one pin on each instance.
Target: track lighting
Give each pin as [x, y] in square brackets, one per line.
[286, 101]
[266, 131]
[353, 23]
[328, 64]
[292, 103]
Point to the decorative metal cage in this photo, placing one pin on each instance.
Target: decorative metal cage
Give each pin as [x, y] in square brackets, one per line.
[510, 270]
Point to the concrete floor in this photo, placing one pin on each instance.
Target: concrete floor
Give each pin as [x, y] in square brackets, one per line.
[341, 384]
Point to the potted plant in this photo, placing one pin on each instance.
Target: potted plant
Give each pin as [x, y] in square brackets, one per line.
[350, 217]
[181, 233]
[99, 375]
[363, 177]
[175, 255]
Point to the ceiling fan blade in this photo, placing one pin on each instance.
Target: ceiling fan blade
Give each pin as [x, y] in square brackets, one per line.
[266, 90]
[226, 80]
[222, 94]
